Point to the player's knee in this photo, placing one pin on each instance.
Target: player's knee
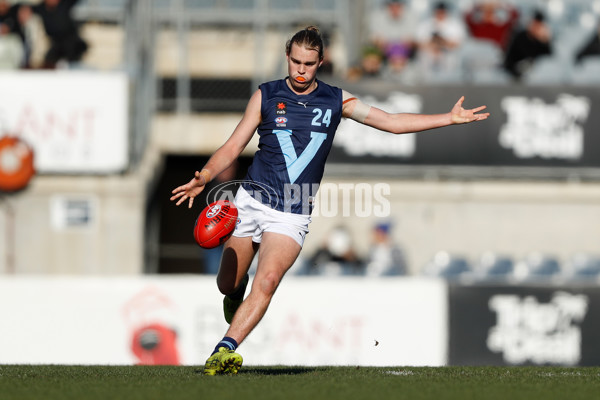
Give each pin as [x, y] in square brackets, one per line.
[268, 283]
[226, 286]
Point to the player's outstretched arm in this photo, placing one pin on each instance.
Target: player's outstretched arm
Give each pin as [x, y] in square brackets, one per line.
[406, 123]
[224, 156]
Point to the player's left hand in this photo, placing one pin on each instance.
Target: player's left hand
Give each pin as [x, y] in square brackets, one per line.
[461, 116]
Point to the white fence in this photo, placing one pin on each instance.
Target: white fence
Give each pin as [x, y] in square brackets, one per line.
[312, 321]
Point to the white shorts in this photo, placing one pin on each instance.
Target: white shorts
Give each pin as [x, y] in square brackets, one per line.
[254, 218]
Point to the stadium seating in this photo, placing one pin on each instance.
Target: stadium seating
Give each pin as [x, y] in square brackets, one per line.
[583, 267]
[480, 54]
[538, 267]
[572, 23]
[587, 72]
[494, 267]
[547, 70]
[448, 266]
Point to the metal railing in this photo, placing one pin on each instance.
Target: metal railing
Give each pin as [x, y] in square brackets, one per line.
[143, 20]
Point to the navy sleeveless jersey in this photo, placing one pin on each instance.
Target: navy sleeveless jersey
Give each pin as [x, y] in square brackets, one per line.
[296, 133]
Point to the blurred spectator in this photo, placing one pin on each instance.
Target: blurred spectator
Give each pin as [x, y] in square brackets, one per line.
[12, 21]
[391, 31]
[385, 256]
[439, 38]
[62, 31]
[492, 20]
[371, 64]
[371, 61]
[527, 45]
[336, 256]
[591, 48]
[398, 66]
[11, 51]
[327, 66]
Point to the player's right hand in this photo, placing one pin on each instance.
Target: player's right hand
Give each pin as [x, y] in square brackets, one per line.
[190, 190]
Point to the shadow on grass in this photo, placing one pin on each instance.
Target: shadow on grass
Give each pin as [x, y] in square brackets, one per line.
[279, 370]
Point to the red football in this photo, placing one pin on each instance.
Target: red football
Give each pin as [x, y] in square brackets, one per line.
[215, 224]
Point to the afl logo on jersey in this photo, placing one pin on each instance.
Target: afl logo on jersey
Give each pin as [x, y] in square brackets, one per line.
[281, 121]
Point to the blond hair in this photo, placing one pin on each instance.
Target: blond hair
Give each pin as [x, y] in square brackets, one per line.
[309, 37]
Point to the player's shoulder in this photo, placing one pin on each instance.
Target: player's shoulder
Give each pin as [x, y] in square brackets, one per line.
[272, 85]
[275, 88]
[328, 86]
[330, 90]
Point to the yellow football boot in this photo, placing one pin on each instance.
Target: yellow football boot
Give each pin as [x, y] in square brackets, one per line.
[224, 362]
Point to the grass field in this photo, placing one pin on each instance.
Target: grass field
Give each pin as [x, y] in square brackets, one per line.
[331, 383]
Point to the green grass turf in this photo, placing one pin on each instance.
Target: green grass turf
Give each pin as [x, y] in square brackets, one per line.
[331, 383]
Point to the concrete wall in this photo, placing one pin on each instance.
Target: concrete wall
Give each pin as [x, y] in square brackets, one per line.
[104, 237]
[470, 218]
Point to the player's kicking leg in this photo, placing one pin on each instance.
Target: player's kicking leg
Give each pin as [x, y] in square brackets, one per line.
[232, 279]
[277, 254]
